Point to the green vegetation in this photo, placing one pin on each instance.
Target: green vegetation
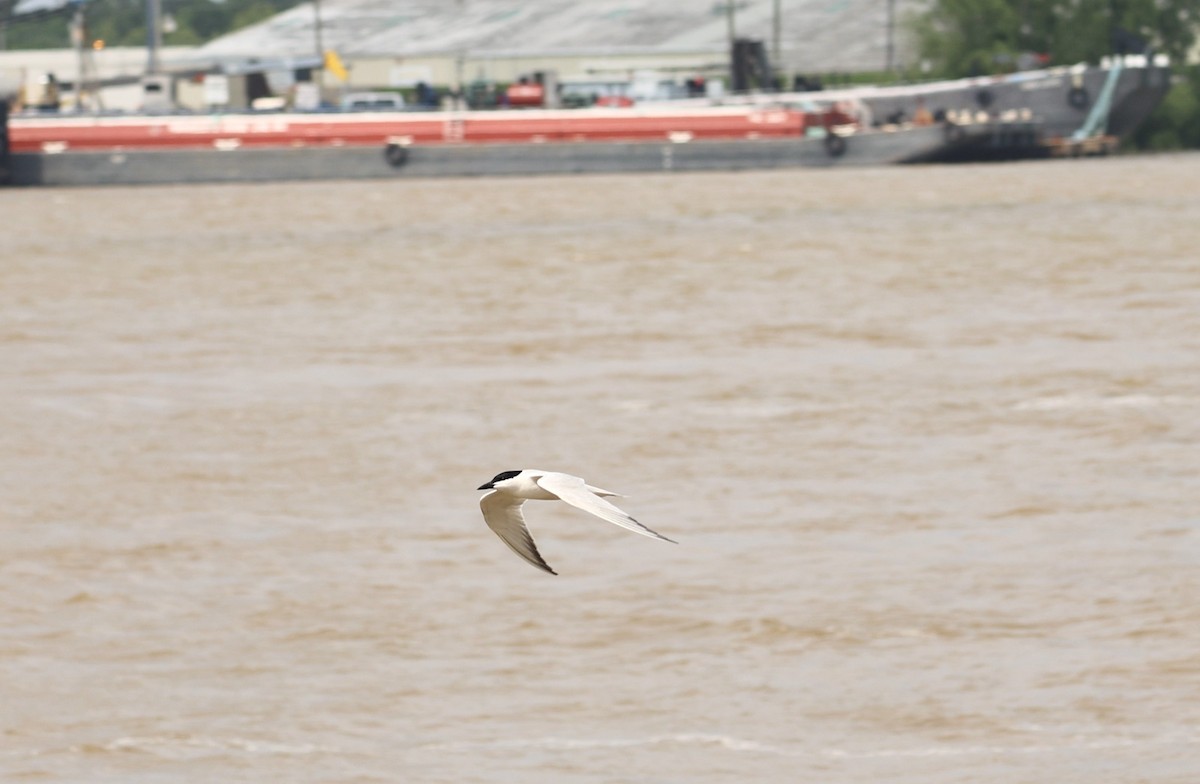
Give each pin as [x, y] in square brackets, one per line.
[123, 22]
[960, 37]
[970, 37]
[1176, 123]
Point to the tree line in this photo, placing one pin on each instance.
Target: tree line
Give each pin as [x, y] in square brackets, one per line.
[123, 22]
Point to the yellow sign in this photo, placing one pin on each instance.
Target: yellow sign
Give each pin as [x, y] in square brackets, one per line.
[334, 65]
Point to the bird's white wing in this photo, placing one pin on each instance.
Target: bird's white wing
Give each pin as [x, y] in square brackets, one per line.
[574, 491]
[503, 515]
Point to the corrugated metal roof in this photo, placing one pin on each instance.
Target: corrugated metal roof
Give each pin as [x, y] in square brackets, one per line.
[822, 35]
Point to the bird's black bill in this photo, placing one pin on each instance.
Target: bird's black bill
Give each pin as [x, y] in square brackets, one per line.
[487, 486]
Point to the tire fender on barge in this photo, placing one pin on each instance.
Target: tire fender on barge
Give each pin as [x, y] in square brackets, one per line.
[396, 152]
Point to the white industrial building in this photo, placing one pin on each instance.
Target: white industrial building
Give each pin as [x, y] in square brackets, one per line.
[399, 42]
[448, 43]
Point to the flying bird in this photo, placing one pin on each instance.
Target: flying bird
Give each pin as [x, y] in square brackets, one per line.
[510, 489]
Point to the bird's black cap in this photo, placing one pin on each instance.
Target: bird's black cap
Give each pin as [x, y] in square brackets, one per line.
[500, 477]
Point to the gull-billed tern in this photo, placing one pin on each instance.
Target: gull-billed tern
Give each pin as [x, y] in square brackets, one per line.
[510, 489]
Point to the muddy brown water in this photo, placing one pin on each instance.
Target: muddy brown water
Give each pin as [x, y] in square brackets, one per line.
[927, 437]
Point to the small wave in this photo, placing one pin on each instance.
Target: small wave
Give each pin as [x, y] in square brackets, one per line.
[187, 745]
[693, 739]
[745, 745]
[744, 409]
[1098, 403]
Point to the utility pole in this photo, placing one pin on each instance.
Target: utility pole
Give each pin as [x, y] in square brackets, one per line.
[153, 35]
[77, 38]
[891, 36]
[459, 102]
[317, 30]
[732, 42]
[777, 39]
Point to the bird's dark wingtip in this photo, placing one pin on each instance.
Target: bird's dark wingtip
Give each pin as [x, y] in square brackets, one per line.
[657, 535]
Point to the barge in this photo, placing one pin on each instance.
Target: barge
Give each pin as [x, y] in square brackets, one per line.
[1017, 116]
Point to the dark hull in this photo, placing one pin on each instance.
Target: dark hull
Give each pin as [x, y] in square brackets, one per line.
[1059, 100]
[251, 165]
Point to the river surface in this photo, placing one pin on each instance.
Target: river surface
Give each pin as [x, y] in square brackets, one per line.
[929, 439]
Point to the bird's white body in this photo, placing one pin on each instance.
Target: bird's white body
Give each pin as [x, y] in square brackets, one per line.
[525, 485]
[510, 489]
